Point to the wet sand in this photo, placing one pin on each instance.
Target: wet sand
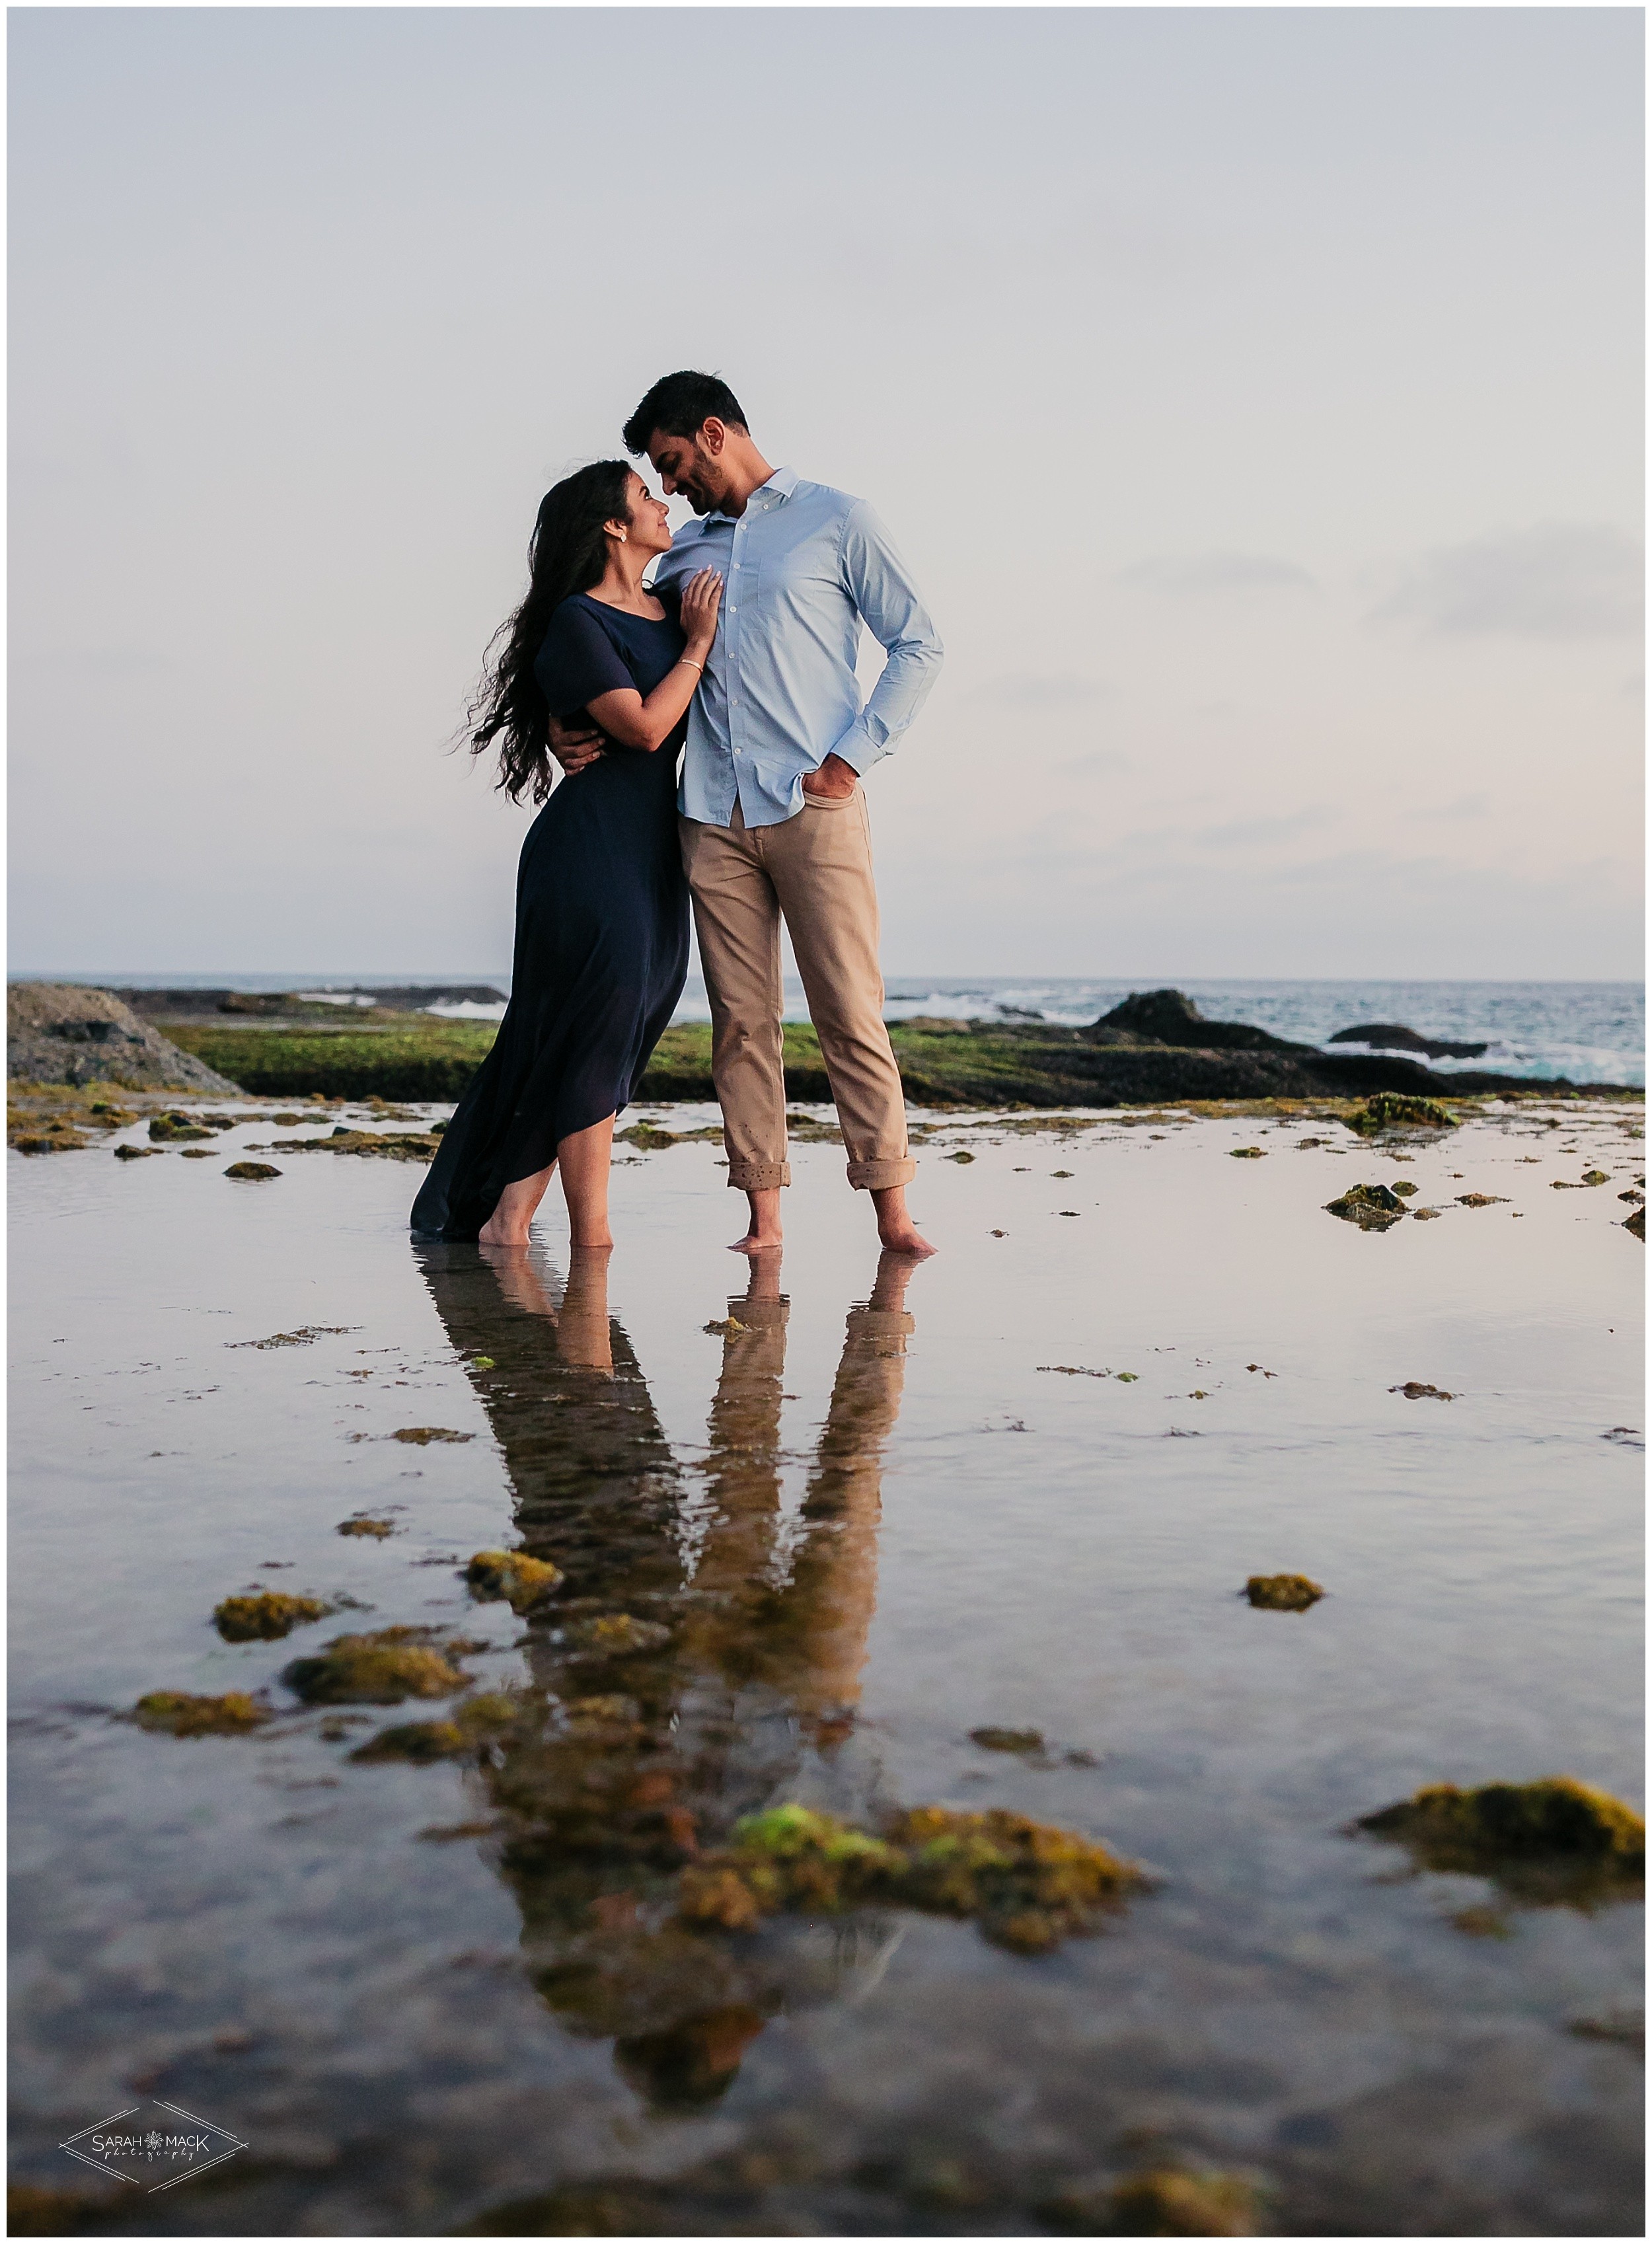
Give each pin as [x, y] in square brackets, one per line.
[1018, 1488]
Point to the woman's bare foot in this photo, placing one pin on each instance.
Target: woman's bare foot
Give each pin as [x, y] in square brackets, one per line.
[763, 1232]
[508, 1225]
[896, 1230]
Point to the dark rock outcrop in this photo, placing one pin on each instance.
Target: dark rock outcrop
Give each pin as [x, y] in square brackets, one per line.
[1166, 1017]
[1385, 1036]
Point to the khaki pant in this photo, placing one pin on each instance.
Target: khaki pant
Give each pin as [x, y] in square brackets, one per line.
[814, 871]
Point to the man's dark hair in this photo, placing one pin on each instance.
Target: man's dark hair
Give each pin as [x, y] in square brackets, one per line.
[680, 405]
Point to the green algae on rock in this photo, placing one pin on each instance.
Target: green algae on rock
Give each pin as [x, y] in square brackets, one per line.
[1553, 1840]
[1283, 1592]
[1246, 1153]
[1028, 1886]
[1373, 1207]
[1397, 1109]
[512, 1575]
[1482, 1200]
[186, 1716]
[270, 1614]
[379, 1669]
[136, 1153]
[424, 1436]
[251, 1172]
[379, 1527]
[1164, 2201]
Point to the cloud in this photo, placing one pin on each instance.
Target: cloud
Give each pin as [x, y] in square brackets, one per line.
[1555, 580]
[1056, 689]
[1200, 574]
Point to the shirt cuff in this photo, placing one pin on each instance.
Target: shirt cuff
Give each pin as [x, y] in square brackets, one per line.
[860, 748]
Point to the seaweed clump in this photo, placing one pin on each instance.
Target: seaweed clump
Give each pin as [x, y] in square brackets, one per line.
[380, 1669]
[1554, 1840]
[271, 1614]
[186, 1716]
[610, 1635]
[1283, 1592]
[512, 1575]
[1373, 1207]
[1029, 1886]
[1399, 1110]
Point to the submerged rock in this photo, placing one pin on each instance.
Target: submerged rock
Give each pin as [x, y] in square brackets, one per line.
[1029, 1886]
[1373, 1207]
[470, 1723]
[612, 1634]
[423, 1436]
[389, 1665]
[271, 1614]
[251, 1173]
[1283, 1592]
[1165, 2201]
[1482, 1200]
[1397, 1109]
[1246, 1153]
[513, 1575]
[1415, 1390]
[187, 1716]
[1554, 1840]
[380, 1527]
[1012, 1742]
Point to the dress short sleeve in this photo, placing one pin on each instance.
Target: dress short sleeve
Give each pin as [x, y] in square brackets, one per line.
[578, 660]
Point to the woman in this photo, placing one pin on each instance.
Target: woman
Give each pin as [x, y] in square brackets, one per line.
[602, 906]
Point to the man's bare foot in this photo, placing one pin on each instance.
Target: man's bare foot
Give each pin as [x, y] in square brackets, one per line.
[763, 1232]
[897, 1231]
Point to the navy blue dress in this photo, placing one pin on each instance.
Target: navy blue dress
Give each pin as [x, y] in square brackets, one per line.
[601, 935]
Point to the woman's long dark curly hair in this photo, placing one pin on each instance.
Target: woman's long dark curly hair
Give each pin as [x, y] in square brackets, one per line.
[566, 554]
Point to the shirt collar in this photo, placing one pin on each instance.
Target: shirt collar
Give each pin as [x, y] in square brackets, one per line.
[783, 482]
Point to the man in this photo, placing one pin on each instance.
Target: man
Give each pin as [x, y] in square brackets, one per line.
[772, 820]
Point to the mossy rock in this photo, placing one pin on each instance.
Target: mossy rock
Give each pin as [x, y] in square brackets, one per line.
[174, 1129]
[379, 1670]
[1283, 1592]
[422, 1436]
[377, 1528]
[185, 1715]
[136, 1153]
[1027, 1885]
[270, 1614]
[1373, 1207]
[251, 1172]
[512, 1575]
[1554, 1840]
[1397, 1109]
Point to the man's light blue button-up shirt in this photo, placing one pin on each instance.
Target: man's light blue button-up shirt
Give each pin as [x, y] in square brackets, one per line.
[803, 568]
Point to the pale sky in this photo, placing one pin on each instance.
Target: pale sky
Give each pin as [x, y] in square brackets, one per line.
[1255, 394]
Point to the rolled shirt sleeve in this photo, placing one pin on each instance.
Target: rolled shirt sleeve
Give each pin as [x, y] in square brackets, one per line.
[879, 583]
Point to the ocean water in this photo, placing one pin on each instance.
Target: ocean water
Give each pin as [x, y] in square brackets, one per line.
[1586, 1031]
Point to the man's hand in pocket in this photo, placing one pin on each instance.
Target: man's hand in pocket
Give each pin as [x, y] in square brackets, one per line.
[834, 779]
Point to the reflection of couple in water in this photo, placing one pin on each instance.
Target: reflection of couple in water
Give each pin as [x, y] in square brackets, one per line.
[739, 655]
[743, 1679]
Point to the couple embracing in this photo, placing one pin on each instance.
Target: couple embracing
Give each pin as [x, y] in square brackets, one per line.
[741, 656]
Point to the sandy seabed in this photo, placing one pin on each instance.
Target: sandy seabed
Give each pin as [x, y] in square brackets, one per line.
[853, 1515]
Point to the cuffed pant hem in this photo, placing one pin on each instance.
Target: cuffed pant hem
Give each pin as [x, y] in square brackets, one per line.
[758, 1176]
[881, 1176]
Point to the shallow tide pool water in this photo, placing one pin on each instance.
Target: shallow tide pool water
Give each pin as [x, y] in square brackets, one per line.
[862, 1510]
